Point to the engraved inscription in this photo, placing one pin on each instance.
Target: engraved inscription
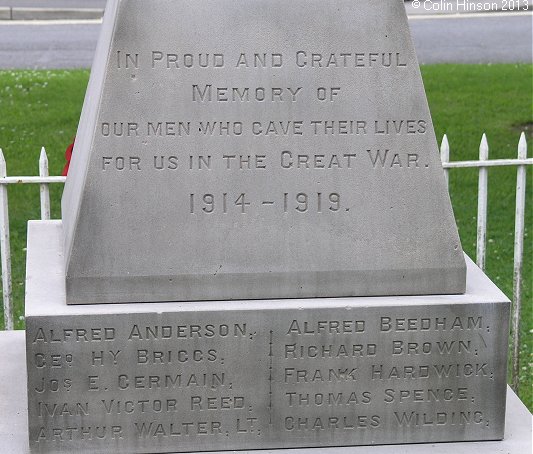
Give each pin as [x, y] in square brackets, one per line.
[215, 158]
[257, 376]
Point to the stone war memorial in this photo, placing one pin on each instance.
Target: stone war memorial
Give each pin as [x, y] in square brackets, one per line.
[257, 248]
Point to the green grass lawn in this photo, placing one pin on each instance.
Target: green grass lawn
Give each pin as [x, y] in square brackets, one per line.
[43, 107]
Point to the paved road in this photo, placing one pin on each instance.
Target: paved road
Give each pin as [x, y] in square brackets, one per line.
[47, 46]
[421, 7]
[54, 3]
[489, 38]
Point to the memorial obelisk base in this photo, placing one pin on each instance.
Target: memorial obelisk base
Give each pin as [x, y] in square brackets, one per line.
[206, 376]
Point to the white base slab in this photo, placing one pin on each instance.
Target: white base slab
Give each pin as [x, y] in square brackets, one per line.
[14, 423]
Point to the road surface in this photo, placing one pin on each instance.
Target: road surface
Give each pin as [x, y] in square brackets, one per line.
[479, 38]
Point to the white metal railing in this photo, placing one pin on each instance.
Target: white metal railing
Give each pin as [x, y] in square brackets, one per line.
[5, 249]
[482, 164]
[520, 210]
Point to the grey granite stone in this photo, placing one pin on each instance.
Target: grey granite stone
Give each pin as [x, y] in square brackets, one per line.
[164, 377]
[14, 418]
[246, 150]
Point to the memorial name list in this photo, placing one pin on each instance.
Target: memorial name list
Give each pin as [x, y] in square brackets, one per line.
[272, 379]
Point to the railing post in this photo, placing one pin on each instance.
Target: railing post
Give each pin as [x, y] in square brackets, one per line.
[445, 156]
[5, 249]
[482, 204]
[45, 191]
[518, 255]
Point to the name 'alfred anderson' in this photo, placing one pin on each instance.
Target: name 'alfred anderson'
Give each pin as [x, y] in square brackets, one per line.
[140, 332]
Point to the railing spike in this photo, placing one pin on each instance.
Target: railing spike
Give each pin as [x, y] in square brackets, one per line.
[3, 167]
[43, 156]
[445, 147]
[5, 250]
[520, 209]
[45, 191]
[522, 147]
[484, 148]
[482, 193]
[445, 154]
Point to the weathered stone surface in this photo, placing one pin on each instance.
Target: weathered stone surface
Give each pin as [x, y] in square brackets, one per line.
[235, 149]
[14, 417]
[167, 377]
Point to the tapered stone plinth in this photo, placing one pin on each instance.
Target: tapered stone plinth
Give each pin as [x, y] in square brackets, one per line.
[250, 150]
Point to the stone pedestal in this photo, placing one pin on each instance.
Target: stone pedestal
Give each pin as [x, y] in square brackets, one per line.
[14, 418]
[204, 376]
